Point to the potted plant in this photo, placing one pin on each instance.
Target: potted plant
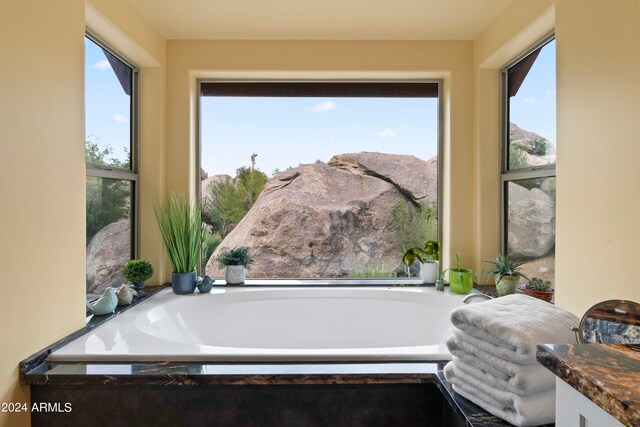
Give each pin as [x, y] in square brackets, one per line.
[507, 274]
[136, 272]
[460, 279]
[235, 261]
[538, 288]
[429, 258]
[182, 232]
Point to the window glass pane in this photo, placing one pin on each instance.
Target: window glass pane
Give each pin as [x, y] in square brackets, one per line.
[109, 231]
[531, 86]
[108, 84]
[317, 187]
[531, 225]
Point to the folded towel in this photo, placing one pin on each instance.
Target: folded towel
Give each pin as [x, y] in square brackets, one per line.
[531, 410]
[534, 378]
[522, 378]
[510, 327]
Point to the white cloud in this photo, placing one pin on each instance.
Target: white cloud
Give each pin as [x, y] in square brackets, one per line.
[323, 107]
[551, 92]
[530, 101]
[119, 118]
[102, 65]
[386, 133]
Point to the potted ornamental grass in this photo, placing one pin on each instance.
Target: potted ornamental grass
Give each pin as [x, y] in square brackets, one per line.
[235, 261]
[460, 279]
[136, 272]
[429, 258]
[182, 231]
[538, 288]
[507, 274]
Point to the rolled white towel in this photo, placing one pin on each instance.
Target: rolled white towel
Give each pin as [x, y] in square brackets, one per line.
[510, 327]
[535, 378]
[531, 410]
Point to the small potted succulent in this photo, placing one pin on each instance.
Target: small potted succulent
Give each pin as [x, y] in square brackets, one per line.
[235, 261]
[507, 274]
[538, 288]
[136, 272]
[460, 279]
[429, 258]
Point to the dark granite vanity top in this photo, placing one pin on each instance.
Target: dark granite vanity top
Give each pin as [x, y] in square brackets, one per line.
[607, 374]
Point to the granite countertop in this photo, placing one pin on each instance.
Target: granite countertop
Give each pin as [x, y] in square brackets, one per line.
[607, 374]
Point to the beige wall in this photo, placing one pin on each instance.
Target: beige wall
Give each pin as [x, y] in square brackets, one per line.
[598, 106]
[452, 61]
[42, 179]
[598, 189]
[42, 170]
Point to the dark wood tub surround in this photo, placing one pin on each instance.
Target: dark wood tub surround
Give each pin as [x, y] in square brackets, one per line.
[607, 374]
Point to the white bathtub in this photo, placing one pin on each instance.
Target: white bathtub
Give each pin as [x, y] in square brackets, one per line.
[275, 324]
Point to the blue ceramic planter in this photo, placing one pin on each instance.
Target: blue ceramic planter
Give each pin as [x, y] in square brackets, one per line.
[183, 283]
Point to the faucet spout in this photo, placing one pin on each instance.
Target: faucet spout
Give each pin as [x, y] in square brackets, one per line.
[475, 295]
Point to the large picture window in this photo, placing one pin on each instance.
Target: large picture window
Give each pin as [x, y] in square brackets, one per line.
[528, 167]
[110, 154]
[320, 180]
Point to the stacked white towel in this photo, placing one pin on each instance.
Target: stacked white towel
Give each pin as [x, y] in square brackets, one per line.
[494, 356]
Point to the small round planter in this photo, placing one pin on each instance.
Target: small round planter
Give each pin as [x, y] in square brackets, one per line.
[429, 271]
[507, 285]
[544, 296]
[183, 283]
[460, 281]
[138, 287]
[234, 274]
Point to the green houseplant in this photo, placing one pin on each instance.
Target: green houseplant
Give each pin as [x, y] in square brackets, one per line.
[507, 274]
[429, 258]
[137, 271]
[460, 279]
[182, 232]
[538, 288]
[235, 261]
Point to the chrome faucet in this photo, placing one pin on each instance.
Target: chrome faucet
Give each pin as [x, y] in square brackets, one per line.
[475, 295]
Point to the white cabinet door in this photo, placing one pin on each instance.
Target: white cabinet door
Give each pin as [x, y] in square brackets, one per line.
[575, 410]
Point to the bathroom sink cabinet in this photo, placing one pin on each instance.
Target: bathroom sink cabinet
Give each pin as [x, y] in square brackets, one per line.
[575, 410]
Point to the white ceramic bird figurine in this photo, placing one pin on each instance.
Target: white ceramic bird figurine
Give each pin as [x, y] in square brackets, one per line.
[125, 294]
[106, 304]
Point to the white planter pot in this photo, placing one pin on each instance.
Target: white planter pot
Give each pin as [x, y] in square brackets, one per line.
[234, 274]
[429, 271]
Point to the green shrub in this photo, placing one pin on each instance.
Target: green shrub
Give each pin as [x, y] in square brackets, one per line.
[137, 270]
[210, 243]
[415, 226]
[371, 273]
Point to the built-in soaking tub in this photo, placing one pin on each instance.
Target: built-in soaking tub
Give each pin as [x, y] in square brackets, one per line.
[267, 324]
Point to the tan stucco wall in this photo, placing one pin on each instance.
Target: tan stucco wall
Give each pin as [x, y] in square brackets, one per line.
[452, 61]
[42, 170]
[42, 178]
[598, 106]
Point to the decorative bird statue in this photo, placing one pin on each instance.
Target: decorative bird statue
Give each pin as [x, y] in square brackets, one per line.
[106, 304]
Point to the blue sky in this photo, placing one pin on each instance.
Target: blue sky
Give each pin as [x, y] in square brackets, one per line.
[534, 106]
[107, 106]
[288, 131]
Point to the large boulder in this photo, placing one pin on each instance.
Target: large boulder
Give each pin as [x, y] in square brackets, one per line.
[211, 180]
[107, 253]
[531, 222]
[325, 220]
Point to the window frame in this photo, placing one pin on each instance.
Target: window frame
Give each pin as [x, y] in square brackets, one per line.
[132, 173]
[329, 281]
[506, 175]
